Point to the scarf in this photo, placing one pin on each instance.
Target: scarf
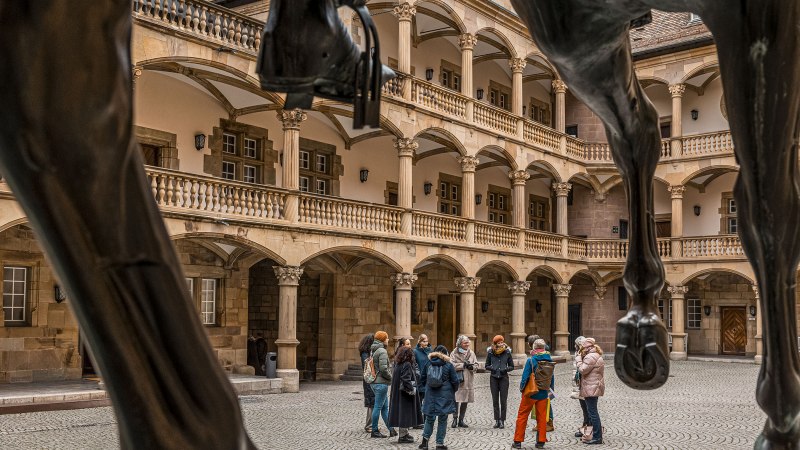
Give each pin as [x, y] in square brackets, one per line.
[461, 350]
[539, 351]
[500, 349]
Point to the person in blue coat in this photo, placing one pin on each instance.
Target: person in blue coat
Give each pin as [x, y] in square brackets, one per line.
[439, 402]
[539, 399]
[421, 352]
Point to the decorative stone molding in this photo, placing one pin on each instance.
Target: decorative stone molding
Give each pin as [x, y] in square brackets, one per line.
[559, 87]
[677, 190]
[600, 197]
[136, 73]
[677, 90]
[406, 146]
[561, 189]
[600, 292]
[517, 65]
[467, 284]
[288, 275]
[291, 119]
[677, 291]
[468, 163]
[519, 177]
[755, 290]
[467, 41]
[518, 287]
[405, 11]
[403, 280]
[562, 290]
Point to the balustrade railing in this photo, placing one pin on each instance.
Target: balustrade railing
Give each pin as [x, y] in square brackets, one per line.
[427, 225]
[666, 148]
[597, 151]
[618, 248]
[495, 118]
[394, 87]
[711, 246]
[576, 248]
[335, 212]
[214, 195]
[203, 19]
[574, 147]
[541, 136]
[707, 144]
[496, 235]
[542, 243]
[438, 98]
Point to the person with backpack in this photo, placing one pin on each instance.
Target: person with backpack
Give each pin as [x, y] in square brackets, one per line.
[466, 364]
[531, 339]
[404, 407]
[499, 362]
[540, 367]
[379, 359]
[441, 383]
[592, 369]
[369, 396]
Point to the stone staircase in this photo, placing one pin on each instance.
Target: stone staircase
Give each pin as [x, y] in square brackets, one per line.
[353, 373]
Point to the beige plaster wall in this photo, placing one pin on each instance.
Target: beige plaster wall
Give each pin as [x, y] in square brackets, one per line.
[707, 223]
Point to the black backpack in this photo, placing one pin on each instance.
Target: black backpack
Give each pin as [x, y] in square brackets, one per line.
[435, 376]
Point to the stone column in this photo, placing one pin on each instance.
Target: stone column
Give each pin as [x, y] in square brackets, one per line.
[676, 90]
[677, 294]
[466, 322]
[562, 191]
[467, 43]
[404, 12]
[405, 150]
[562, 327]
[518, 180]
[403, 283]
[517, 66]
[288, 281]
[759, 344]
[560, 89]
[468, 165]
[291, 159]
[518, 290]
[676, 221]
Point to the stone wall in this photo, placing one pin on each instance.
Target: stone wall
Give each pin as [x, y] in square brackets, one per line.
[718, 290]
[540, 323]
[588, 217]
[590, 128]
[598, 316]
[497, 320]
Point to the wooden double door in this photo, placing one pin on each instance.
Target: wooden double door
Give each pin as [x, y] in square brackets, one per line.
[733, 329]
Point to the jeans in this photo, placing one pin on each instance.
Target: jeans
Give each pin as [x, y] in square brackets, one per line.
[594, 417]
[499, 388]
[381, 408]
[441, 429]
[586, 419]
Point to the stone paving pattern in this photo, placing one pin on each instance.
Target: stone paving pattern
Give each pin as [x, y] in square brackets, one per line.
[705, 405]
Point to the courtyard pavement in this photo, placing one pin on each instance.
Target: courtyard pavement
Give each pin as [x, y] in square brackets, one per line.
[705, 405]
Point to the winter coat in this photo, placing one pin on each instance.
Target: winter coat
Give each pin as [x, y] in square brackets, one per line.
[466, 391]
[369, 394]
[421, 355]
[440, 401]
[380, 358]
[404, 409]
[499, 365]
[530, 371]
[592, 369]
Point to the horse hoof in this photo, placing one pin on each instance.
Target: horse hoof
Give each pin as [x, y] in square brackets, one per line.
[765, 443]
[641, 359]
[774, 439]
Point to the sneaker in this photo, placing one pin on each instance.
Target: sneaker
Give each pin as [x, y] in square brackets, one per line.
[407, 439]
[594, 442]
[377, 434]
[392, 432]
[516, 444]
[539, 445]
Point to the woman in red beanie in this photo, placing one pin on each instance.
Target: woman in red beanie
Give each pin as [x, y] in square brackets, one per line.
[499, 362]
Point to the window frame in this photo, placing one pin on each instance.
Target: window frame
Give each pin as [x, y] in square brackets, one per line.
[25, 294]
[236, 151]
[729, 221]
[694, 314]
[315, 174]
[499, 205]
[446, 203]
[536, 221]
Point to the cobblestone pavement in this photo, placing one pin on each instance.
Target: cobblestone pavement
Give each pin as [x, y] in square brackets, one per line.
[704, 405]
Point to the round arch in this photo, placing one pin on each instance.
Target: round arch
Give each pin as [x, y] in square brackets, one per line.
[450, 137]
[502, 265]
[503, 39]
[712, 66]
[650, 80]
[594, 276]
[550, 168]
[450, 11]
[495, 149]
[716, 269]
[547, 270]
[234, 240]
[147, 63]
[541, 58]
[447, 260]
[357, 250]
[13, 223]
[585, 178]
[717, 169]
[324, 106]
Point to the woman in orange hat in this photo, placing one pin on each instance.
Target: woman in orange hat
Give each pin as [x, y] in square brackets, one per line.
[499, 362]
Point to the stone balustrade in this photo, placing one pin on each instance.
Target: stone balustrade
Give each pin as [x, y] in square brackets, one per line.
[707, 144]
[350, 215]
[439, 226]
[541, 136]
[712, 247]
[438, 98]
[542, 243]
[496, 235]
[495, 118]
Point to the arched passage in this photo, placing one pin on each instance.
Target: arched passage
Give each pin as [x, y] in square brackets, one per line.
[493, 305]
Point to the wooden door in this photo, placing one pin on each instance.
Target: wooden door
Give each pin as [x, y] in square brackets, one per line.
[446, 315]
[734, 331]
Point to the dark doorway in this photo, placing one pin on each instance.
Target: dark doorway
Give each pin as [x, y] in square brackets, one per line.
[663, 229]
[87, 367]
[623, 229]
[734, 330]
[447, 312]
[573, 323]
[151, 155]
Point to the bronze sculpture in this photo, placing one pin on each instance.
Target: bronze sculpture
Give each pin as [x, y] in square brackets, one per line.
[759, 55]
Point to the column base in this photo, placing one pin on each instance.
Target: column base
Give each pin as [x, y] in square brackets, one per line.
[758, 359]
[678, 356]
[290, 379]
[564, 353]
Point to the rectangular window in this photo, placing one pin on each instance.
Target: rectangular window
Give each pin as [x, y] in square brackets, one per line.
[538, 213]
[456, 82]
[449, 194]
[242, 155]
[501, 218]
[190, 285]
[503, 101]
[493, 97]
[228, 170]
[498, 204]
[454, 192]
[316, 165]
[250, 148]
[571, 130]
[446, 78]
[305, 160]
[322, 164]
[668, 317]
[208, 301]
[732, 226]
[728, 222]
[731, 206]
[443, 190]
[249, 174]
[693, 316]
[491, 217]
[304, 184]
[322, 187]
[501, 201]
[15, 294]
[229, 143]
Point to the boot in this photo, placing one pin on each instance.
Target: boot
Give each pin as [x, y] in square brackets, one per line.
[407, 439]
[392, 432]
[441, 447]
[461, 423]
[423, 445]
[550, 426]
[368, 425]
[496, 424]
[516, 444]
[502, 424]
[540, 445]
[455, 421]
[377, 434]
[306, 51]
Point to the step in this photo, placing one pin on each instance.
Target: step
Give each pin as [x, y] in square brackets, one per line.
[348, 377]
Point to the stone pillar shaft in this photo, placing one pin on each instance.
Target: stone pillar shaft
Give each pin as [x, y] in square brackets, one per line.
[562, 326]
[518, 180]
[759, 342]
[518, 290]
[677, 295]
[676, 90]
[517, 66]
[467, 286]
[404, 12]
[291, 159]
[468, 164]
[676, 221]
[467, 43]
[288, 281]
[562, 191]
[403, 283]
[560, 89]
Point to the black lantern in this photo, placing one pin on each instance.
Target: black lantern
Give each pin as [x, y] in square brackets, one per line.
[753, 310]
[427, 187]
[58, 294]
[429, 74]
[695, 114]
[538, 307]
[480, 94]
[199, 141]
[363, 174]
[484, 306]
[478, 198]
[696, 210]
[707, 310]
[431, 305]
[523, 110]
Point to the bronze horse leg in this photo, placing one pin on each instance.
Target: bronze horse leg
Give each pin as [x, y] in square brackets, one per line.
[67, 151]
[588, 43]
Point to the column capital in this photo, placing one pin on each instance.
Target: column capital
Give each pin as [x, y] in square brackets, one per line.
[677, 291]
[288, 275]
[562, 290]
[559, 86]
[136, 72]
[561, 189]
[517, 65]
[518, 287]
[405, 11]
[519, 177]
[467, 41]
[467, 284]
[677, 190]
[403, 281]
[677, 90]
[755, 290]
[600, 292]
[468, 163]
[291, 119]
[406, 146]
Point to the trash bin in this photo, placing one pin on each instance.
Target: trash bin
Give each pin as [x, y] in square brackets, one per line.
[272, 365]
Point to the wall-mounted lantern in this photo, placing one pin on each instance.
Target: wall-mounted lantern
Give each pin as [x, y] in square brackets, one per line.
[696, 210]
[431, 304]
[199, 141]
[695, 114]
[478, 198]
[538, 307]
[58, 294]
[363, 174]
[707, 310]
[753, 310]
[429, 74]
[484, 306]
[480, 94]
[427, 187]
